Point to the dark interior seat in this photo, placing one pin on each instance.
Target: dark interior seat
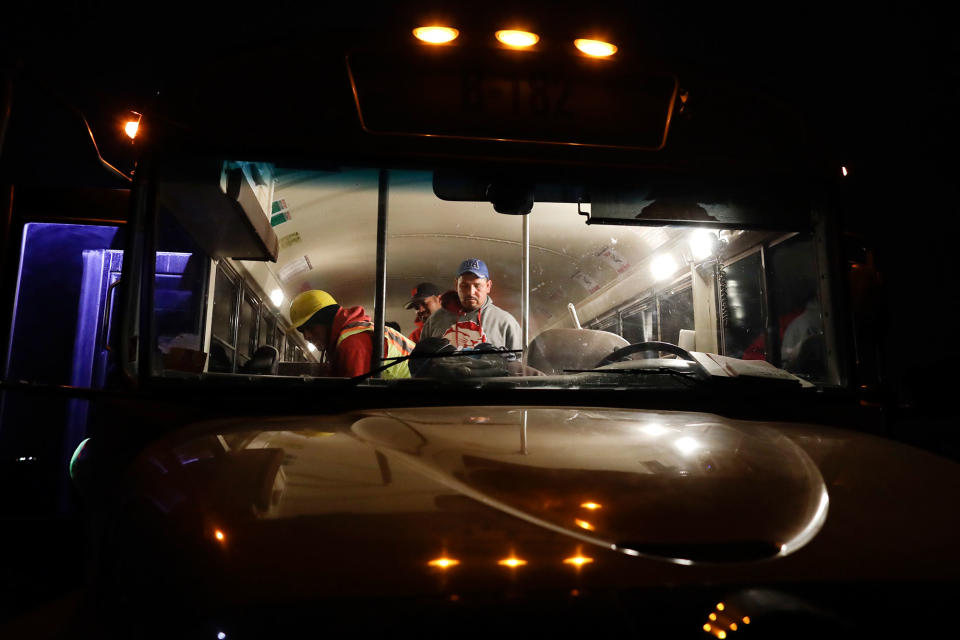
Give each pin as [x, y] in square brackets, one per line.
[264, 362]
[557, 349]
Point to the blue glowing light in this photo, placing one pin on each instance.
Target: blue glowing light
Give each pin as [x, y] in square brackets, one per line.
[221, 635]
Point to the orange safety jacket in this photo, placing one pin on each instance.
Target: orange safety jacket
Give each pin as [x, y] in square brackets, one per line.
[395, 345]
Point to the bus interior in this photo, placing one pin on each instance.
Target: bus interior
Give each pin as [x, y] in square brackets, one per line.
[644, 268]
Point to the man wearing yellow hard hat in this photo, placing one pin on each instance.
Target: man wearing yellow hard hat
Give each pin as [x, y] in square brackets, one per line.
[346, 333]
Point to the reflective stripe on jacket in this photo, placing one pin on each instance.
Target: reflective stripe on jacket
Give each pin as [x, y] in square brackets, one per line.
[395, 345]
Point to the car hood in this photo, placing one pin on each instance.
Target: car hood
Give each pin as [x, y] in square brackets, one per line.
[413, 501]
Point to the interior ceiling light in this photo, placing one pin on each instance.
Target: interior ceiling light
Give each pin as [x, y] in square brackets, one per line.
[703, 243]
[518, 39]
[595, 48]
[663, 266]
[436, 35]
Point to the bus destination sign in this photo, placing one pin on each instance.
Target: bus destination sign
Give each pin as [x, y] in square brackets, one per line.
[524, 97]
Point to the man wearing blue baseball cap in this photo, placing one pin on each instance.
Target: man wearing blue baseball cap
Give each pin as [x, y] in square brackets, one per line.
[478, 320]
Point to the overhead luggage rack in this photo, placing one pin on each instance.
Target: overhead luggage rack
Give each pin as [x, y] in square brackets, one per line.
[227, 220]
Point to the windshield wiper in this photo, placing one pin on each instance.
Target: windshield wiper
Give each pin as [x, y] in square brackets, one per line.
[429, 356]
[690, 377]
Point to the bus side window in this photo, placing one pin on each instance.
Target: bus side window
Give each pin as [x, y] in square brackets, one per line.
[640, 322]
[610, 323]
[247, 328]
[676, 312]
[268, 328]
[178, 327]
[742, 315]
[796, 305]
[223, 344]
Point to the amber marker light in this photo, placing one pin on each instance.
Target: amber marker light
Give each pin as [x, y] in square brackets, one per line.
[131, 127]
[578, 561]
[719, 606]
[592, 506]
[712, 616]
[512, 562]
[435, 35]
[443, 563]
[746, 620]
[219, 535]
[721, 634]
[733, 626]
[583, 524]
[707, 627]
[595, 48]
[518, 39]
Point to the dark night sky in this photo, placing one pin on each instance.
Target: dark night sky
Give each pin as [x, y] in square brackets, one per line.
[872, 81]
[879, 88]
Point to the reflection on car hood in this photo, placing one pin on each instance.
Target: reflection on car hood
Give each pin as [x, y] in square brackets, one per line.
[393, 501]
[655, 484]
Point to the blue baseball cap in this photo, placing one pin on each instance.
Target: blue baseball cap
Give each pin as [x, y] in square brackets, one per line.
[475, 266]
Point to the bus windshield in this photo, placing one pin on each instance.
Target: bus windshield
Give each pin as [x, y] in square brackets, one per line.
[651, 290]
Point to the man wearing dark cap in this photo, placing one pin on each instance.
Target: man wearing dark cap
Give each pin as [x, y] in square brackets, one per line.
[477, 320]
[425, 298]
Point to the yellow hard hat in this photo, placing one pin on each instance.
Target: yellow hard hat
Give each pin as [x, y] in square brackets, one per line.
[308, 303]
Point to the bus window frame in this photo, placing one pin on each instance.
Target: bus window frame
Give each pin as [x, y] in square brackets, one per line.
[833, 292]
[641, 301]
[254, 337]
[137, 273]
[237, 281]
[280, 337]
[600, 323]
[247, 289]
[837, 368]
[676, 287]
[764, 311]
[266, 334]
[636, 306]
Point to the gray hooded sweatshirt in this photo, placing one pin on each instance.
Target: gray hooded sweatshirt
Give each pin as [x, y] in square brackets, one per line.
[489, 324]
